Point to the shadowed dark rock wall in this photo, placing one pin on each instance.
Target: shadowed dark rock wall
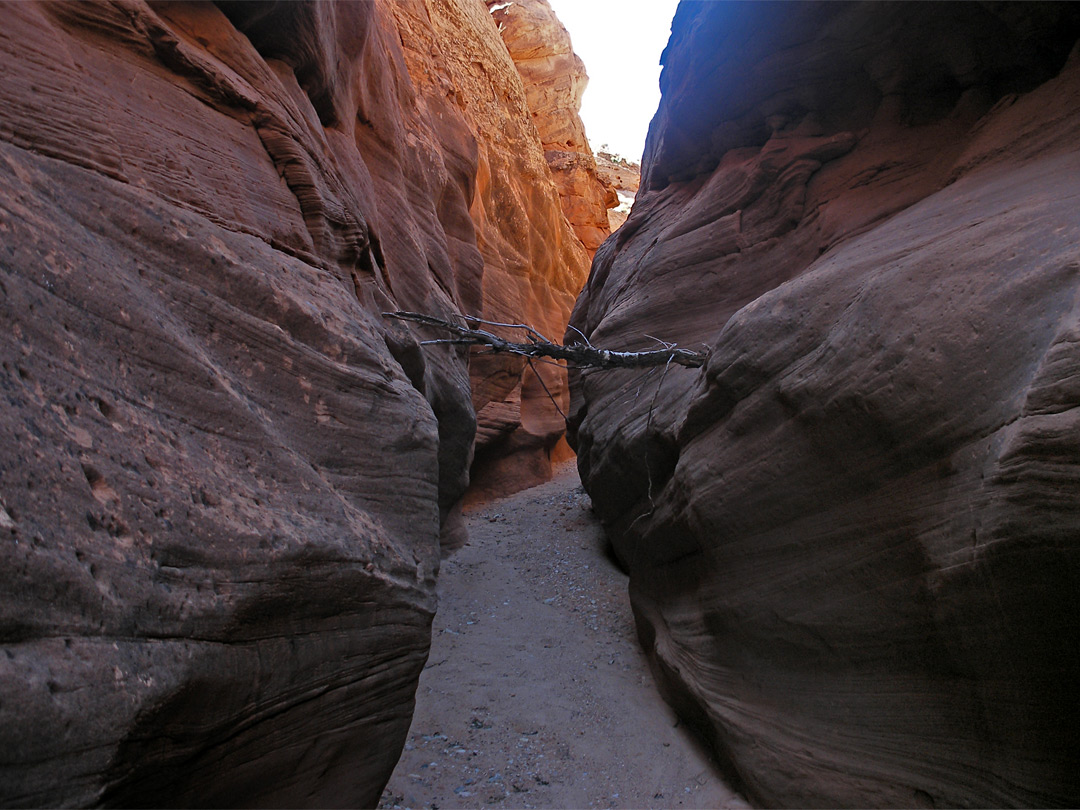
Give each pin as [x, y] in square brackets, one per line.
[852, 536]
[223, 476]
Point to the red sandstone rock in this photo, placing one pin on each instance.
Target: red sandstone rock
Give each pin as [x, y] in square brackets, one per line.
[622, 175]
[534, 265]
[554, 79]
[852, 537]
[223, 476]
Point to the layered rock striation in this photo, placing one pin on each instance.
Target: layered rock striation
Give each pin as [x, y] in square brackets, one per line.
[224, 477]
[852, 536]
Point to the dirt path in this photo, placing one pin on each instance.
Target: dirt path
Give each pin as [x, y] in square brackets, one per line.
[536, 693]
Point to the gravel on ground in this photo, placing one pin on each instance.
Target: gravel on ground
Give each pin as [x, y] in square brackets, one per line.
[536, 692]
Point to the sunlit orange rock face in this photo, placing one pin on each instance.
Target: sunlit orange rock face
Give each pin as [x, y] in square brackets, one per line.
[554, 79]
[224, 477]
[852, 536]
[534, 264]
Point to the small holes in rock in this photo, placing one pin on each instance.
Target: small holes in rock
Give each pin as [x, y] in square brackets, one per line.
[92, 476]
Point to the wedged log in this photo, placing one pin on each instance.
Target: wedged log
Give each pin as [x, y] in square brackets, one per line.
[853, 536]
[576, 355]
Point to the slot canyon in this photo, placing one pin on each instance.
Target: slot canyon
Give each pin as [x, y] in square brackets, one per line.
[250, 526]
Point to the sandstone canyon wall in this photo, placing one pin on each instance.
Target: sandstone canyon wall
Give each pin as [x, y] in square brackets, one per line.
[854, 536]
[534, 264]
[224, 477]
[554, 78]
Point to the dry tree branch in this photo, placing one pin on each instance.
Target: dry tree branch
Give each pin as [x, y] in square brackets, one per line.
[532, 333]
[578, 355]
[583, 335]
[543, 385]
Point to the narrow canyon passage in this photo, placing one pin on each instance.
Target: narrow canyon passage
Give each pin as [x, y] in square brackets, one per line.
[536, 693]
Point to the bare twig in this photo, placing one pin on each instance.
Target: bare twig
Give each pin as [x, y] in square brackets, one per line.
[648, 467]
[648, 424]
[663, 343]
[532, 333]
[577, 355]
[546, 391]
[583, 335]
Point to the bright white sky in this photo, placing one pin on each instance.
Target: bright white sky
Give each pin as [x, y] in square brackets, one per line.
[620, 42]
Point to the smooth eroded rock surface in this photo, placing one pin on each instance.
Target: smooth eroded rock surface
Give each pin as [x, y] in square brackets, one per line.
[223, 476]
[852, 536]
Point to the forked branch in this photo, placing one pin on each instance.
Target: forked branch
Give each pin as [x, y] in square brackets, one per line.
[578, 355]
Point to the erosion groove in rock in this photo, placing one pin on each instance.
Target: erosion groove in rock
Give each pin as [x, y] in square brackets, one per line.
[852, 536]
[223, 476]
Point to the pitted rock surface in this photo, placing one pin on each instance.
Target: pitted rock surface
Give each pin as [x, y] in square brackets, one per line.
[224, 477]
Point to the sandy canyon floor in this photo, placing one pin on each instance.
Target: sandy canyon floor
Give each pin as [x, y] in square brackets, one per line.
[536, 693]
